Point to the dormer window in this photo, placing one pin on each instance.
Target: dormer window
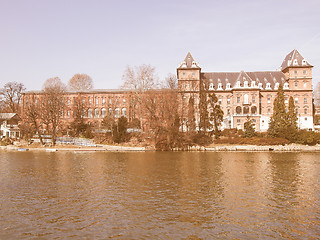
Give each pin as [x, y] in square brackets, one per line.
[286, 86]
[238, 84]
[253, 84]
[276, 86]
[211, 86]
[304, 62]
[260, 85]
[245, 84]
[295, 62]
[228, 86]
[219, 86]
[268, 86]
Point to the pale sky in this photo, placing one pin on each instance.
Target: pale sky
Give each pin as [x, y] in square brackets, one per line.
[41, 39]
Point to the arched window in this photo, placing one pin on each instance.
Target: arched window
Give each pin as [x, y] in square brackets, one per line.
[124, 112]
[110, 112]
[90, 113]
[238, 110]
[245, 110]
[103, 112]
[228, 86]
[117, 113]
[219, 86]
[268, 86]
[245, 99]
[211, 86]
[254, 110]
[96, 112]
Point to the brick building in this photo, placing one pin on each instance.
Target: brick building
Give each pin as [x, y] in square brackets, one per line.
[240, 94]
[251, 93]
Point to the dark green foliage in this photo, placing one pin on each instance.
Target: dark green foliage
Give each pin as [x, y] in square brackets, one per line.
[120, 130]
[216, 114]
[308, 137]
[191, 121]
[278, 122]
[249, 130]
[204, 123]
[201, 139]
[259, 141]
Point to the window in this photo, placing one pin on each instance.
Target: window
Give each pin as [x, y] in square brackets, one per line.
[305, 111]
[245, 84]
[286, 100]
[228, 85]
[269, 100]
[296, 84]
[254, 110]
[286, 86]
[268, 86]
[211, 86]
[297, 112]
[304, 72]
[238, 120]
[305, 119]
[260, 85]
[90, 101]
[305, 100]
[295, 72]
[219, 86]
[238, 99]
[269, 110]
[228, 101]
[68, 113]
[253, 84]
[110, 112]
[124, 112]
[117, 112]
[296, 100]
[304, 84]
[276, 86]
[90, 113]
[238, 84]
[103, 112]
[238, 110]
[253, 99]
[124, 101]
[96, 113]
[103, 101]
[246, 110]
[246, 99]
[228, 111]
[220, 101]
[253, 120]
[110, 100]
[83, 100]
[97, 101]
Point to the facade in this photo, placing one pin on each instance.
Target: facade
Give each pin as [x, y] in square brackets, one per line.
[240, 94]
[243, 94]
[9, 125]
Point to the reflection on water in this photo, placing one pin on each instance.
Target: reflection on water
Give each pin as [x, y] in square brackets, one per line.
[159, 195]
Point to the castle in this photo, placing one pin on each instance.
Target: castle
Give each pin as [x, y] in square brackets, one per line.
[240, 94]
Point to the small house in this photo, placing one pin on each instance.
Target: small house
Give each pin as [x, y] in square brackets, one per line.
[9, 125]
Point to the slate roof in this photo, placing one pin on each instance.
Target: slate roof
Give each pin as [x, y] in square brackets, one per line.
[189, 62]
[264, 77]
[294, 59]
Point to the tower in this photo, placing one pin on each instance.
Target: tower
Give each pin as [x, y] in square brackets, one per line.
[188, 74]
[298, 71]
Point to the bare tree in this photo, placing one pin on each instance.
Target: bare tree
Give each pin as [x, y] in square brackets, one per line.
[139, 79]
[52, 105]
[316, 94]
[80, 82]
[33, 114]
[11, 92]
[171, 82]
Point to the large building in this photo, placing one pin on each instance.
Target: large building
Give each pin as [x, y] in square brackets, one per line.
[252, 93]
[240, 94]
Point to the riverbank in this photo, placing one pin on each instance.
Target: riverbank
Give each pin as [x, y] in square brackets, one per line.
[211, 148]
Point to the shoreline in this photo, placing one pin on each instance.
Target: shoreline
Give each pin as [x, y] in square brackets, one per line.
[212, 148]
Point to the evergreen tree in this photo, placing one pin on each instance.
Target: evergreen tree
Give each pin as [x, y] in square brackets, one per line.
[292, 128]
[204, 123]
[120, 130]
[249, 130]
[191, 124]
[279, 120]
[216, 114]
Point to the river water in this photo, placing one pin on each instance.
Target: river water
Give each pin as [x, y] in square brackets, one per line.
[165, 195]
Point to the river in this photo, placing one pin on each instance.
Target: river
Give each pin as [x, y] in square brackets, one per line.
[159, 195]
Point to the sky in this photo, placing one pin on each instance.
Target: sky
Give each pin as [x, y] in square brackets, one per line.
[41, 39]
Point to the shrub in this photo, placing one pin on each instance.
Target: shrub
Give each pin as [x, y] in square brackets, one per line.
[253, 141]
[201, 139]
